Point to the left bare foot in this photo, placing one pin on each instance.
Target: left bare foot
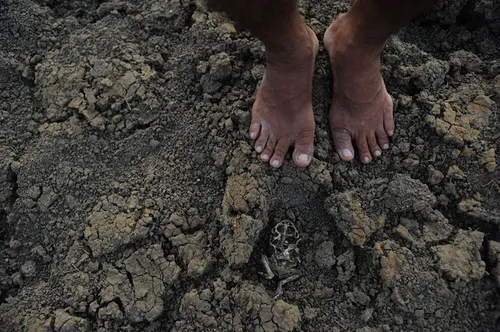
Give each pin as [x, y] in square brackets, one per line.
[282, 114]
[361, 108]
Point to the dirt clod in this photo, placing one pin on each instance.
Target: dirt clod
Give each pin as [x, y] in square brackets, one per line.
[325, 256]
[141, 293]
[348, 214]
[462, 259]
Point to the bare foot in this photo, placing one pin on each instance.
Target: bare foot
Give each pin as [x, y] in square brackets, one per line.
[282, 114]
[361, 108]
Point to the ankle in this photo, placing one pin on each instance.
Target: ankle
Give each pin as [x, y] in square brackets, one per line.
[295, 45]
[349, 39]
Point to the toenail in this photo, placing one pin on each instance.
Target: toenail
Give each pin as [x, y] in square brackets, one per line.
[377, 153]
[390, 133]
[303, 157]
[385, 147]
[258, 149]
[265, 157]
[275, 163]
[252, 135]
[366, 160]
[346, 153]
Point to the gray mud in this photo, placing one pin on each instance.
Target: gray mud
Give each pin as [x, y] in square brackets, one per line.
[131, 199]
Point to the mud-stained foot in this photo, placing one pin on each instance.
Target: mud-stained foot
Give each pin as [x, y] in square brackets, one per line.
[361, 108]
[282, 114]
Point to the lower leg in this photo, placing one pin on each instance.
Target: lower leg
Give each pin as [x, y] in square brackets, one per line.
[282, 113]
[374, 21]
[362, 108]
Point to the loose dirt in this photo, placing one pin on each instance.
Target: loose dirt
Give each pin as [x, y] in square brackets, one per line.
[132, 200]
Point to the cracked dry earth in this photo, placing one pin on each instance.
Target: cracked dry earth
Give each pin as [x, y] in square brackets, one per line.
[131, 199]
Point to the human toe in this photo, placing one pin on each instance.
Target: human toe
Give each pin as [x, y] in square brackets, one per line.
[389, 119]
[363, 149]
[382, 139]
[342, 141]
[254, 130]
[261, 141]
[375, 149]
[304, 149]
[279, 153]
[269, 149]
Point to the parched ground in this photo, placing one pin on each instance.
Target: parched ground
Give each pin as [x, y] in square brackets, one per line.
[131, 199]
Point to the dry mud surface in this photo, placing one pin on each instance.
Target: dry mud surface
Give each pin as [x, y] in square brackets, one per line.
[131, 199]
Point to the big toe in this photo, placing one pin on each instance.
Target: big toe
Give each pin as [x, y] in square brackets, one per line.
[342, 141]
[304, 149]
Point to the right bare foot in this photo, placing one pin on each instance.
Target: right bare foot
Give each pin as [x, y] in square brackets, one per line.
[282, 114]
[361, 108]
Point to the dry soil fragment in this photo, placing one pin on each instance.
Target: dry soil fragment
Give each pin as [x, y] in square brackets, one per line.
[469, 205]
[413, 282]
[391, 261]
[220, 70]
[180, 222]
[358, 296]
[488, 160]
[346, 266]
[64, 322]
[430, 75]
[246, 307]
[278, 316]
[349, 216]
[46, 200]
[494, 259]
[320, 174]
[462, 259]
[119, 6]
[28, 269]
[497, 85]
[435, 176]
[244, 216]
[467, 61]
[195, 252]
[407, 194]
[110, 311]
[109, 228]
[460, 125]
[219, 156]
[474, 209]
[115, 70]
[432, 227]
[121, 85]
[325, 254]
[77, 287]
[141, 297]
[6, 176]
[170, 9]
[455, 173]
[446, 11]
[285, 316]
[60, 84]
[196, 307]
[40, 325]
